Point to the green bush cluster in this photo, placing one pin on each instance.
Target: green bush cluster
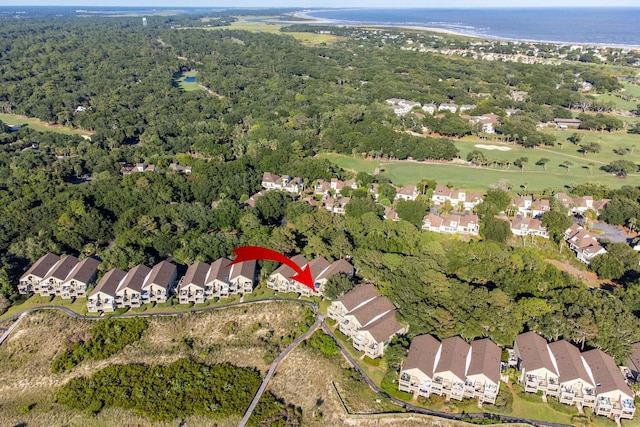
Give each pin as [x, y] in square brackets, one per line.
[107, 338]
[180, 389]
[323, 342]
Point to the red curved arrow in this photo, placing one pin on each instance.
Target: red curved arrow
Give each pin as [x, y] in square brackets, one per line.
[248, 253]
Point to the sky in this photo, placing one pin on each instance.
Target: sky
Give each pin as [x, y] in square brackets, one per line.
[332, 3]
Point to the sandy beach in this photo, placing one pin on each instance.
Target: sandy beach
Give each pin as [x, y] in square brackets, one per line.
[304, 14]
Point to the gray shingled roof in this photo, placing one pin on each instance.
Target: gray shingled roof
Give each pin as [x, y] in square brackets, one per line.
[569, 362]
[422, 354]
[358, 295]
[605, 372]
[317, 266]
[219, 270]
[41, 266]
[336, 267]
[109, 282]
[84, 270]
[62, 269]
[374, 308]
[485, 359]
[162, 274]
[244, 269]
[453, 357]
[287, 271]
[135, 278]
[384, 328]
[534, 352]
[196, 274]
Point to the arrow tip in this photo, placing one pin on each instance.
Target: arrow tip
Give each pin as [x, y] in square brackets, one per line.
[305, 277]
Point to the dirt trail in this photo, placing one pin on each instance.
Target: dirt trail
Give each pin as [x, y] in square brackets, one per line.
[588, 277]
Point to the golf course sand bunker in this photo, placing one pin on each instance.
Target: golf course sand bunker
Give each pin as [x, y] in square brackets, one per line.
[492, 147]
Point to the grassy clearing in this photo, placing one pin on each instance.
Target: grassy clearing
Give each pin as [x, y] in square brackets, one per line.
[232, 335]
[37, 124]
[582, 168]
[188, 86]
[246, 24]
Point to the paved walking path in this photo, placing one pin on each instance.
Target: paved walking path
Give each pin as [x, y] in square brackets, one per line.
[274, 366]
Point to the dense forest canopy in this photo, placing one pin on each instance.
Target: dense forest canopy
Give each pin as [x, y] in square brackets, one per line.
[270, 103]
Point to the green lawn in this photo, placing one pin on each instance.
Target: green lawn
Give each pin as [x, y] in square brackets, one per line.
[582, 168]
[189, 86]
[37, 124]
[79, 306]
[264, 26]
[632, 89]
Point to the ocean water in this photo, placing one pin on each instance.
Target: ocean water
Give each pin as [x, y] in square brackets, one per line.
[605, 26]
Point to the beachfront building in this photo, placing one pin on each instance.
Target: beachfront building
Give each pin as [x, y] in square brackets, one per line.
[452, 368]
[129, 291]
[614, 398]
[67, 277]
[31, 279]
[321, 271]
[452, 224]
[193, 285]
[160, 283]
[576, 384]
[367, 318]
[536, 364]
[103, 296]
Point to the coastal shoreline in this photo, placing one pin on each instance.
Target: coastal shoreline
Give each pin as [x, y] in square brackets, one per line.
[305, 14]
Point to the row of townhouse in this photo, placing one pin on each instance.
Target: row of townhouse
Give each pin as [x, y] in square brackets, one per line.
[66, 277]
[286, 183]
[324, 188]
[321, 270]
[559, 369]
[579, 205]
[527, 207]
[452, 224]
[367, 318]
[408, 192]
[526, 226]
[452, 368]
[457, 198]
[401, 106]
[585, 245]
[140, 285]
[204, 281]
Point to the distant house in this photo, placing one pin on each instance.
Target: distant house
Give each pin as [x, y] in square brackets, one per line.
[448, 107]
[567, 123]
[457, 198]
[180, 169]
[526, 226]
[467, 107]
[401, 106]
[128, 168]
[583, 243]
[285, 183]
[430, 108]
[103, 296]
[452, 224]
[408, 192]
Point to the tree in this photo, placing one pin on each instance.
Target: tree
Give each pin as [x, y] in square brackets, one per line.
[520, 162]
[567, 164]
[556, 223]
[387, 191]
[338, 285]
[272, 206]
[592, 147]
[495, 229]
[621, 167]
[412, 211]
[619, 259]
[477, 158]
[543, 162]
